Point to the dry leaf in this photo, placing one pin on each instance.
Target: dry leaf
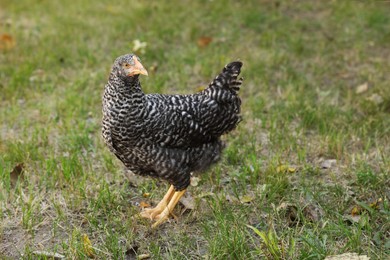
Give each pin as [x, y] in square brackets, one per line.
[139, 46]
[362, 88]
[188, 202]
[88, 249]
[353, 219]
[285, 169]
[246, 198]
[47, 254]
[6, 41]
[328, 163]
[291, 169]
[356, 211]
[194, 181]
[144, 204]
[17, 173]
[283, 206]
[347, 256]
[143, 256]
[204, 41]
[146, 195]
[375, 205]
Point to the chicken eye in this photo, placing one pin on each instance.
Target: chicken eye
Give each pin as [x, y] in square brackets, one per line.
[127, 65]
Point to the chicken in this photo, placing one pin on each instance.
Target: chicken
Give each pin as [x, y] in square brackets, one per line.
[167, 136]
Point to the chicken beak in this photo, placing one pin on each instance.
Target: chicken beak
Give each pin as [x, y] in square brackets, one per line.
[137, 68]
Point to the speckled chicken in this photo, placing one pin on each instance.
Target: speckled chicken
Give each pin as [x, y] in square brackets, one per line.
[167, 136]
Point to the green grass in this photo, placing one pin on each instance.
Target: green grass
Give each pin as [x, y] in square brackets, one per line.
[303, 62]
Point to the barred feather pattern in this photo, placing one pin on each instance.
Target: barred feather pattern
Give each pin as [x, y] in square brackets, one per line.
[170, 136]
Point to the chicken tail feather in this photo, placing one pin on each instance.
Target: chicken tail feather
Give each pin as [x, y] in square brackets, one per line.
[231, 71]
[226, 80]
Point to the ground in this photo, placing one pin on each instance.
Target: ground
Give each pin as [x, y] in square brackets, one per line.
[304, 176]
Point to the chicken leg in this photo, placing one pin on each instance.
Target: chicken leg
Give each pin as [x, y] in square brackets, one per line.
[151, 213]
[163, 216]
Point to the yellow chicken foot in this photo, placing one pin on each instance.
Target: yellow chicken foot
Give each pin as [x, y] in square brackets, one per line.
[164, 216]
[151, 213]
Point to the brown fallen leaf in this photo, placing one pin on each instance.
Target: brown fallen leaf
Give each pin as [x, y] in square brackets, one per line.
[328, 163]
[88, 249]
[144, 204]
[356, 210]
[146, 195]
[246, 198]
[194, 181]
[139, 47]
[6, 41]
[143, 256]
[17, 173]
[362, 88]
[285, 169]
[375, 204]
[204, 41]
[352, 219]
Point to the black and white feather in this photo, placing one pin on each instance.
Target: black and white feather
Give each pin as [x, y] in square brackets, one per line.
[169, 136]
